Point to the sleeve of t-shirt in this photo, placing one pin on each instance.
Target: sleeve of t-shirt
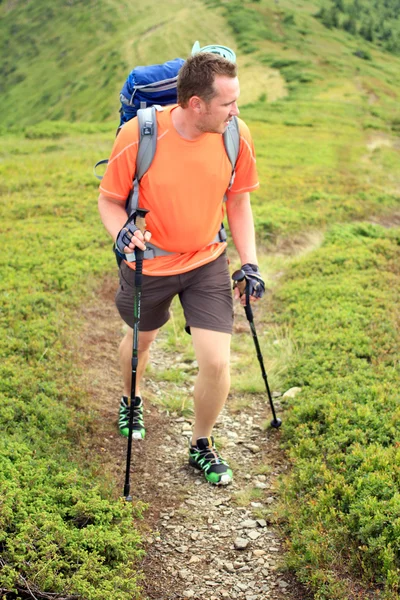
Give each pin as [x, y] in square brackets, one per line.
[246, 178]
[121, 168]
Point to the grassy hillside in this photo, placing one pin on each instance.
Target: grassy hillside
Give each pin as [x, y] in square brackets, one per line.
[69, 60]
[323, 107]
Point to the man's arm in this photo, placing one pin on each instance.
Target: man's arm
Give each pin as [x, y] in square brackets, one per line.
[241, 225]
[113, 216]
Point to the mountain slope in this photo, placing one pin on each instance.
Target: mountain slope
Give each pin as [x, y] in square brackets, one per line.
[68, 60]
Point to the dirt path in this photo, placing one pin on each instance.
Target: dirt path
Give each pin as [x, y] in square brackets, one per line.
[201, 542]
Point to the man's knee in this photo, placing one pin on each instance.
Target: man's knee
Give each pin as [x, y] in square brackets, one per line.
[215, 365]
[146, 338]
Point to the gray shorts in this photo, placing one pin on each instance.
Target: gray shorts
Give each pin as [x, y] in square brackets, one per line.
[205, 294]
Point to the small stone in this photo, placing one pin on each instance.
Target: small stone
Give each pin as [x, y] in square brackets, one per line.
[292, 392]
[188, 594]
[253, 448]
[194, 559]
[261, 522]
[257, 553]
[261, 485]
[248, 524]
[283, 584]
[228, 566]
[253, 535]
[181, 549]
[184, 574]
[270, 500]
[240, 543]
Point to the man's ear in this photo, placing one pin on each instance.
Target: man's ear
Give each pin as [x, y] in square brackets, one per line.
[196, 104]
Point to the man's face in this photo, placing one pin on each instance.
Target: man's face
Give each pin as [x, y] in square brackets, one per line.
[216, 114]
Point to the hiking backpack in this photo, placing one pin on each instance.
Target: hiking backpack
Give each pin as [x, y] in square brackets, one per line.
[145, 91]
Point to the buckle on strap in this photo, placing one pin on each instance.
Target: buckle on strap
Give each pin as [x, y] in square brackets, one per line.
[150, 252]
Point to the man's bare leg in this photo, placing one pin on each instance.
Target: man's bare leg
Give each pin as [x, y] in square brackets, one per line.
[212, 349]
[125, 357]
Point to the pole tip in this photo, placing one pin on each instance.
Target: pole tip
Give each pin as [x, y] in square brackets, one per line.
[276, 423]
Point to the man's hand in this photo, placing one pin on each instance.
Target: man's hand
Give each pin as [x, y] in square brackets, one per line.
[130, 237]
[254, 281]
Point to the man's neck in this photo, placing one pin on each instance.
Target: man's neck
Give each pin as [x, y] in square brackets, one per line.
[183, 126]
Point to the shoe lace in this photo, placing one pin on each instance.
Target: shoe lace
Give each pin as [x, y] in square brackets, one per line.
[137, 415]
[211, 456]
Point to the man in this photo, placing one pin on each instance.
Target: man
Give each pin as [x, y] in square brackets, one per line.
[183, 191]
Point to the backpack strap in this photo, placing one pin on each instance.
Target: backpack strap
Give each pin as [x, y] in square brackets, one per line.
[232, 144]
[147, 123]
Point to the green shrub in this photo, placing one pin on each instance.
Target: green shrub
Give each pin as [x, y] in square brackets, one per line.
[59, 533]
[62, 529]
[343, 429]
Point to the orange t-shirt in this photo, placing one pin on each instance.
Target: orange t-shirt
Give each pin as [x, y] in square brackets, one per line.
[183, 190]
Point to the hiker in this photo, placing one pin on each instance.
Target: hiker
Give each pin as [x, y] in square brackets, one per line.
[184, 191]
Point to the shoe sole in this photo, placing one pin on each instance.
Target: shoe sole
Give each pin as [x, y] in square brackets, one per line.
[225, 478]
[136, 435]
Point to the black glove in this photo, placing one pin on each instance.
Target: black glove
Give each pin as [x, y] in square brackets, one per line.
[254, 280]
[124, 237]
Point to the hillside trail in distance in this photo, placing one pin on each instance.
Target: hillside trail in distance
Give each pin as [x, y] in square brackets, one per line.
[201, 541]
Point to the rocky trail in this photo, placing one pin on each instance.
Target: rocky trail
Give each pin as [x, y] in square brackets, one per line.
[202, 542]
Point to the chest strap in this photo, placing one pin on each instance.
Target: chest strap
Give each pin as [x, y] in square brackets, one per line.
[153, 251]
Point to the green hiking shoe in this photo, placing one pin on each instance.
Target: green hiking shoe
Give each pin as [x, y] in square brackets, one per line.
[205, 457]
[138, 430]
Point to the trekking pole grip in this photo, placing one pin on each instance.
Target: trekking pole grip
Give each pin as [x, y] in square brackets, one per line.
[140, 221]
[239, 281]
[139, 254]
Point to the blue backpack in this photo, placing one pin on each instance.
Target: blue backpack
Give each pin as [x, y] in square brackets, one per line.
[145, 86]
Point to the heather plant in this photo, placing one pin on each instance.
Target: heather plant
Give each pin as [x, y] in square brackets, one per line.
[63, 531]
[342, 432]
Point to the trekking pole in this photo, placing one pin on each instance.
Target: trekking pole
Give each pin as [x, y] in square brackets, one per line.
[240, 282]
[141, 224]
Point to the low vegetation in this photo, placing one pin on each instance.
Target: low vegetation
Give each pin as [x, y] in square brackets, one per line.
[63, 528]
[328, 155]
[342, 500]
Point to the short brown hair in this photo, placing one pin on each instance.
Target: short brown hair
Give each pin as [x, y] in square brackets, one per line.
[197, 75]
